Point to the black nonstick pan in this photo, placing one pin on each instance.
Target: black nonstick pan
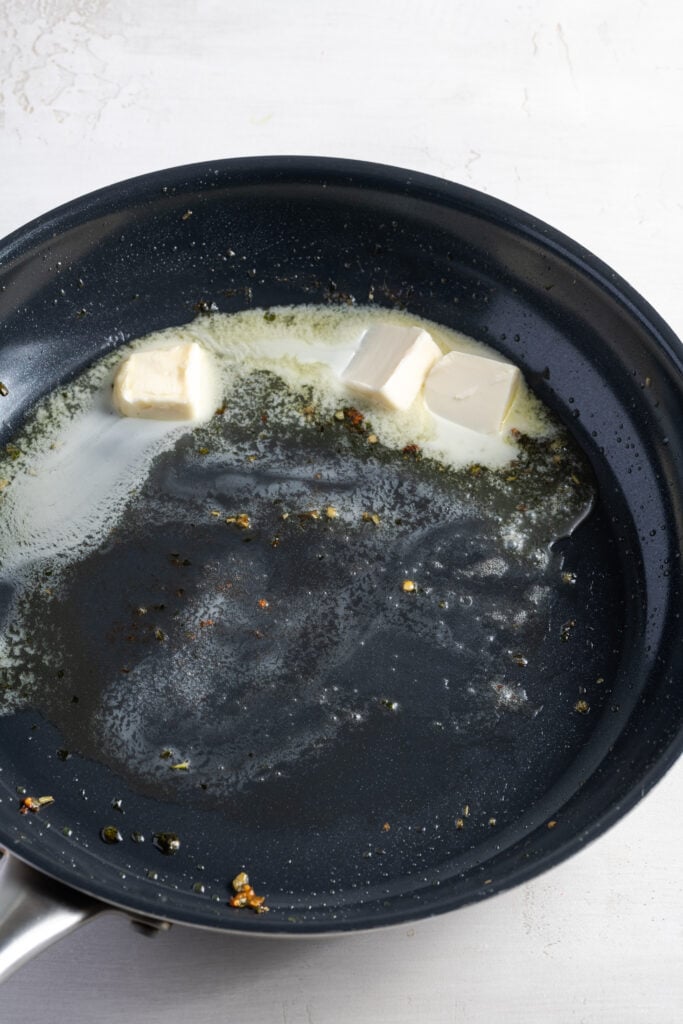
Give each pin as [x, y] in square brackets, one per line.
[411, 792]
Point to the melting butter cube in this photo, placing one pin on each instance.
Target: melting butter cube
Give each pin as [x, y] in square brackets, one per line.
[164, 384]
[391, 364]
[474, 391]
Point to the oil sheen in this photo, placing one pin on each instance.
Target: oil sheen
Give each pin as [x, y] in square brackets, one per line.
[228, 595]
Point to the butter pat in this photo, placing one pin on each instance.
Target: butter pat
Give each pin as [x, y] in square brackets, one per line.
[164, 383]
[391, 364]
[473, 391]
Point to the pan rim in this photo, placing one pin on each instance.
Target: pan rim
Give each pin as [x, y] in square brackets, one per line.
[422, 185]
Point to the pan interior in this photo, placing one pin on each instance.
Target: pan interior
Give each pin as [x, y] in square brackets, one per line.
[239, 646]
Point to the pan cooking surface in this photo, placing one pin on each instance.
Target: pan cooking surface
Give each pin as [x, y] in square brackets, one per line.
[366, 754]
[278, 660]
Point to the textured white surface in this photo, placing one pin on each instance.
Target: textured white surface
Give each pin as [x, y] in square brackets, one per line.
[571, 111]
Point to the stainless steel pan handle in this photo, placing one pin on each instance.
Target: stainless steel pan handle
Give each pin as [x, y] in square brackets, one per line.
[35, 911]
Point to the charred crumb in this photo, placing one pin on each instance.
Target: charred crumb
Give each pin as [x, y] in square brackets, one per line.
[566, 629]
[167, 843]
[177, 560]
[204, 308]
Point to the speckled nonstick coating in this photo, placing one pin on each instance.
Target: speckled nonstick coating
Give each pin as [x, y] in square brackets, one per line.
[127, 260]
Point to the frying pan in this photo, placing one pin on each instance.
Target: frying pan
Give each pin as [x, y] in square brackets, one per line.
[357, 830]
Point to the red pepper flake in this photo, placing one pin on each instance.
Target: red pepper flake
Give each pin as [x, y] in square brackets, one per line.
[412, 449]
[262, 603]
[206, 622]
[354, 417]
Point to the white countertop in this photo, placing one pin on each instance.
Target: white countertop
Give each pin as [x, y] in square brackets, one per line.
[570, 111]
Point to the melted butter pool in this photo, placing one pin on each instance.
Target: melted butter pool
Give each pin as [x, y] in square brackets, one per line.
[230, 596]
